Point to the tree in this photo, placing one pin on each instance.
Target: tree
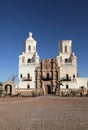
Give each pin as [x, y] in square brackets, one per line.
[1, 83]
[13, 77]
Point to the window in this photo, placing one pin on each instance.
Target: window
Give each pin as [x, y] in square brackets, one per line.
[66, 60]
[29, 48]
[28, 76]
[47, 75]
[67, 76]
[21, 76]
[82, 87]
[65, 49]
[73, 76]
[29, 61]
[67, 86]
[28, 86]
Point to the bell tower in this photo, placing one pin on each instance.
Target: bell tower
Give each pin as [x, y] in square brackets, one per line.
[28, 61]
[30, 44]
[65, 46]
[67, 61]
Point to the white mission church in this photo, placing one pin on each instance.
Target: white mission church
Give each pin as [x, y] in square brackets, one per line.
[66, 61]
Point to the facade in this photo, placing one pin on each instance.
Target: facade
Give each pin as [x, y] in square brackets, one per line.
[28, 61]
[47, 76]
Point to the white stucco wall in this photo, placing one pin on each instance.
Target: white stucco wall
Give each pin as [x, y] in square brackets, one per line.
[80, 82]
[70, 70]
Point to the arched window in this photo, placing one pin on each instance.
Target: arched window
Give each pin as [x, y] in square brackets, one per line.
[67, 76]
[47, 75]
[66, 60]
[65, 49]
[29, 48]
[21, 76]
[29, 61]
[67, 86]
[28, 86]
[28, 76]
[73, 76]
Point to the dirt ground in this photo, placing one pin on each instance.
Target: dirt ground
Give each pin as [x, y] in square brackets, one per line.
[44, 113]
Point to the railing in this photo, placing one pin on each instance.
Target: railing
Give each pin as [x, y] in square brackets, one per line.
[66, 79]
[46, 78]
[66, 64]
[27, 79]
[28, 64]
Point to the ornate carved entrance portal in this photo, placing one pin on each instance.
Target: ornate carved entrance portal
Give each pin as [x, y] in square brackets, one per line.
[47, 76]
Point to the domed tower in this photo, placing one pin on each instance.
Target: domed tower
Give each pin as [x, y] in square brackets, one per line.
[28, 62]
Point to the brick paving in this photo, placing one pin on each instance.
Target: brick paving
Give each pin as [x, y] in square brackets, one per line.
[44, 113]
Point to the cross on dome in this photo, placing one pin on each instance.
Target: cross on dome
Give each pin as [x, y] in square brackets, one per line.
[30, 38]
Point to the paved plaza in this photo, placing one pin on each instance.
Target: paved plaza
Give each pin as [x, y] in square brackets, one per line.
[44, 113]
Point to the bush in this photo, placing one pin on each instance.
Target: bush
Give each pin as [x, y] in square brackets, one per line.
[65, 94]
[2, 93]
[19, 94]
[1, 84]
[74, 92]
[86, 94]
[38, 94]
[34, 94]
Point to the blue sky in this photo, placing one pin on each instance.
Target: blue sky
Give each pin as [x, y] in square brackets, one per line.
[49, 21]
